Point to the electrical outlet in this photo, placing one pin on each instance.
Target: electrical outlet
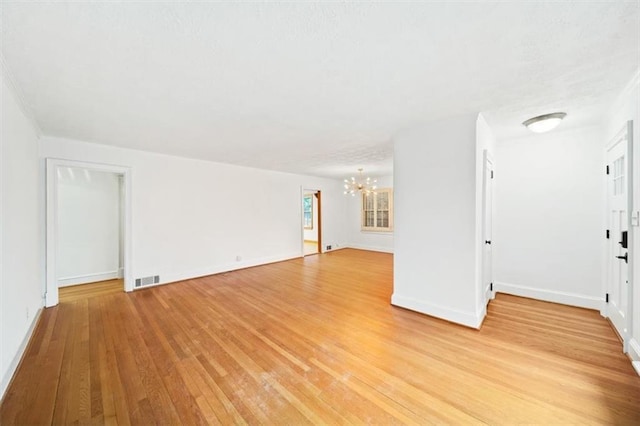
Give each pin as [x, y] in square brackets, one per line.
[27, 314]
[238, 258]
[328, 247]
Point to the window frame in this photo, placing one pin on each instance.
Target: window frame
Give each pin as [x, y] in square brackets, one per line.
[376, 228]
[310, 211]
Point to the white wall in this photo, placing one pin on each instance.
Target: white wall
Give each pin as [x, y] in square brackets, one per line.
[547, 234]
[193, 218]
[626, 108]
[312, 234]
[21, 275]
[435, 220]
[88, 226]
[366, 240]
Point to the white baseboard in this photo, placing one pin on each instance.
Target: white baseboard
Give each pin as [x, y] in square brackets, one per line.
[15, 362]
[634, 354]
[564, 298]
[334, 248]
[371, 248]
[634, 350]
[481, 315]
[88, 278]
[467, 319]
[218, 269]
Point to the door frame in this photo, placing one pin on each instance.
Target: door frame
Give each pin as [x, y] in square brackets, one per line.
[52, 166]
[624, 134]
[486, 159]
[318, 194]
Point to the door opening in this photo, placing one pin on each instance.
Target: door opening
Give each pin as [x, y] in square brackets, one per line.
[618, 263]
[311, 222]
[88, 217]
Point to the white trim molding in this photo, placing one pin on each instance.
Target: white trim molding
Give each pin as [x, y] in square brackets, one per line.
[371, 248]
[634, 350]
[218, 269]
[634, 353]
[468, 319]
[88, 278]
[15, 362]
[561, 297]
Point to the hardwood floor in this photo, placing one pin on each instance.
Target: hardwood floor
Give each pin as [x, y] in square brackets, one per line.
[314, 340]
[310, 247]
[86, 291]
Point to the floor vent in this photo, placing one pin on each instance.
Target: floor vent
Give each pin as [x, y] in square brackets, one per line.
[153, 279]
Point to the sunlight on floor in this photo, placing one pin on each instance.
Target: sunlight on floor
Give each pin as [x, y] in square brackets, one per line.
[310, 247]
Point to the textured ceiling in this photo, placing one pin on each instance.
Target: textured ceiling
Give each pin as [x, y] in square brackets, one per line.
[315, 88]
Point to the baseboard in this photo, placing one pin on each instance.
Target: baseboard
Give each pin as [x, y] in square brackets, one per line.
[481, 315]
[371, 248]
[561, 297]
[467, 319]
[15, 362]
[88, 278]
[634, 350]
[334, 247]
[634, 354]
[219, 269]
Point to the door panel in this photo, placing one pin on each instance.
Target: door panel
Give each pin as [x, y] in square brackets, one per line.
[618, 218]
[487, 252]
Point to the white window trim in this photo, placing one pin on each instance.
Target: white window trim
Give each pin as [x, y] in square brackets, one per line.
[375, 229]
[311, 196]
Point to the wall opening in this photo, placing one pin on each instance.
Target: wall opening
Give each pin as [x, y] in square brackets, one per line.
[88, 217]
[311, 222]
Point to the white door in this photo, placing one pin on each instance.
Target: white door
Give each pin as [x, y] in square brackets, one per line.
[619, 237]
[487, 197]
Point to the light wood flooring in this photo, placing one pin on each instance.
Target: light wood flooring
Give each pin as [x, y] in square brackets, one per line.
[85, 291]
[315, 340]
[310, 247]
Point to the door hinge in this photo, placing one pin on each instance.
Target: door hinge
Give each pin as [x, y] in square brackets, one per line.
[607, 169]
[491, 286]
[491, 174]
[607, 234]
[606, 298]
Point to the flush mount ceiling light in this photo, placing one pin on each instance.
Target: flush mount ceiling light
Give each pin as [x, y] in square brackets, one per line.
[544, 123]
[353, 186]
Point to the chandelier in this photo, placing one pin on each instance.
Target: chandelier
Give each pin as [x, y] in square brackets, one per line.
[353, 186]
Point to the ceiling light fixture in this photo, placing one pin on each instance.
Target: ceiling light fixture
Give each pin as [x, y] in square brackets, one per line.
[544, 123]
[353, 186]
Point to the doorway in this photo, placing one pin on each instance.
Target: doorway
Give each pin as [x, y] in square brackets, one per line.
[618, 263]
[311, 222]
[88, 225]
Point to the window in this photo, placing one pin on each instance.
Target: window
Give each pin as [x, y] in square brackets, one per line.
[307, 208]
[377, 210]
[618, 176]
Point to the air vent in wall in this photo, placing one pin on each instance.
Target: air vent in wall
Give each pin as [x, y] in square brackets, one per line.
[141, 282]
